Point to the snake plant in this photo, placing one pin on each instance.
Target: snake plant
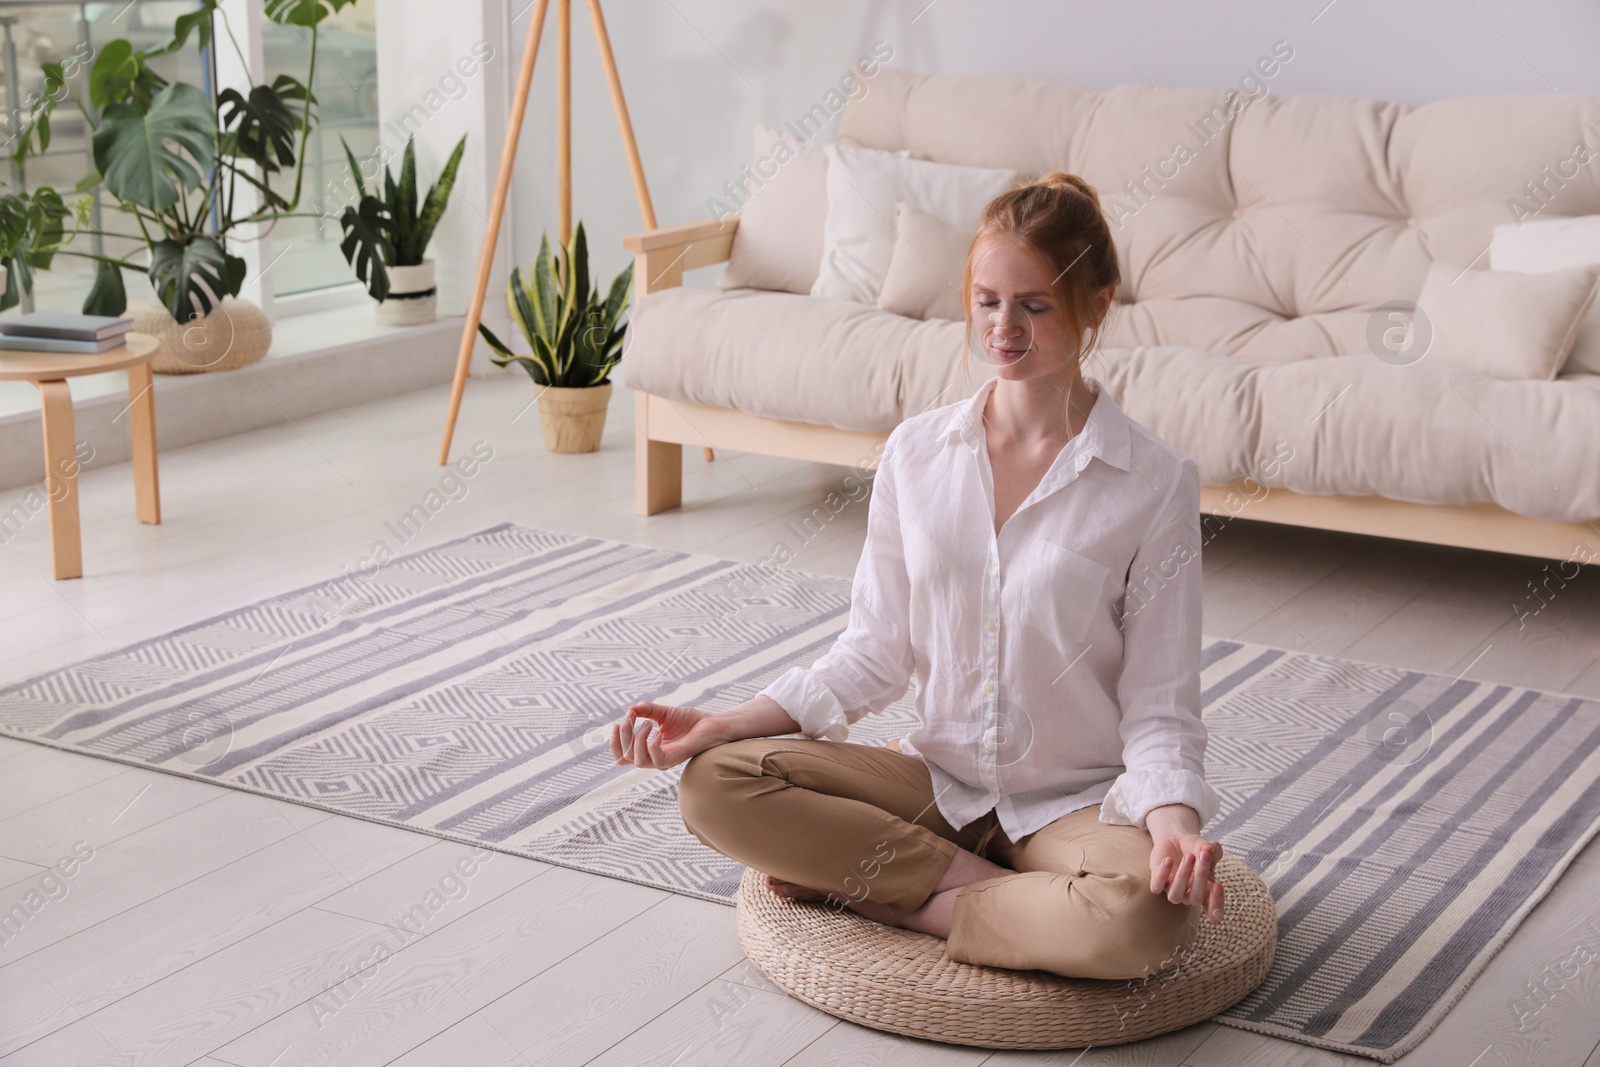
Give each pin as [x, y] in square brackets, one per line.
[575, 336]
[390, 230]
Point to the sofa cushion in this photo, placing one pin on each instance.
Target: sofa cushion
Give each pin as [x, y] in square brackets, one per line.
[1503, 323]
[1345, 425]
[1285, 223]
[1199, 402]
[778, 244]
[863, 185]
[1540, 245]
[1426, 432]
[787, 356]
[925, 270]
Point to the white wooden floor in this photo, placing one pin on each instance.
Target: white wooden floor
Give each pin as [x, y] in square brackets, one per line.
[215, 927]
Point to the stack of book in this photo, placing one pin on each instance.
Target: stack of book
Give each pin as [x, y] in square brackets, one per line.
[53, 331]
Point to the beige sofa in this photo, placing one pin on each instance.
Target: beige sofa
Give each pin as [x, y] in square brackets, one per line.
[1241, 335]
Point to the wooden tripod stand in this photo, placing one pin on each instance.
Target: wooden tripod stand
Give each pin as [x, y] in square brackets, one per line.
[519, 107]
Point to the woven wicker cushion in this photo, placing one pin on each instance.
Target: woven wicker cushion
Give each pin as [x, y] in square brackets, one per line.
[903, 982]
[233, 334]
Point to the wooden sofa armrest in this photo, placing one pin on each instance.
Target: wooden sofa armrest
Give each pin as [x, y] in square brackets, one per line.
[661, 256]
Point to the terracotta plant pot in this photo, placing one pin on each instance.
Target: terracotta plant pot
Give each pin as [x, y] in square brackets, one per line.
[233, 334]
[412, 297]
[573, 419]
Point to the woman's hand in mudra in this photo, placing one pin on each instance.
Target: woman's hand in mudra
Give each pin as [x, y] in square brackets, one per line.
[661, 735]
[1182, 868]
[1183, 861]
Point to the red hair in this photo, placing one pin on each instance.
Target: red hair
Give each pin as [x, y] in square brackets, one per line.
[1058, 219]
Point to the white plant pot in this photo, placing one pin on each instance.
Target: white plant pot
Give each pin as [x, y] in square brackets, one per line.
[412, 297]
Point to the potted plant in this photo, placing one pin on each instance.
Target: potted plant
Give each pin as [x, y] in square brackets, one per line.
[384, 239]
[175, 163]
[31, 233]
[576, 339]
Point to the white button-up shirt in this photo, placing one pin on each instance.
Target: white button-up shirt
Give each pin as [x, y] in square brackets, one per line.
[1058, 662]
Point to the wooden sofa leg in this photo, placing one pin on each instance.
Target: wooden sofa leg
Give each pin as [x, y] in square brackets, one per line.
[659, 469]
[657, 466]
[710, 455]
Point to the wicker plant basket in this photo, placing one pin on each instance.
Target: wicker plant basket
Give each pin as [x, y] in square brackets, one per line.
[573, 418]
[234, 334]
[903, 982]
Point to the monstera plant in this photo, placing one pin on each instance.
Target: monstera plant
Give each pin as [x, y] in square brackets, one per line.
[32, 231]
[176, 163]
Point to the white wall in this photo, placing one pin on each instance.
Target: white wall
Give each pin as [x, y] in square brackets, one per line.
[696, 75]
[443, 72]
[1411, 52]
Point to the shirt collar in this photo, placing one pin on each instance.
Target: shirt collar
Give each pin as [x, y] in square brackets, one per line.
[1105, 434]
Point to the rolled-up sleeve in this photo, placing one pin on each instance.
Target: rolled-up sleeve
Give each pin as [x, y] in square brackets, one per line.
[1163, 737]
[869, 665]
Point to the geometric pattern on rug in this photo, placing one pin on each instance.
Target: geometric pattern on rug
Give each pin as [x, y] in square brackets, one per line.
[1406, 822]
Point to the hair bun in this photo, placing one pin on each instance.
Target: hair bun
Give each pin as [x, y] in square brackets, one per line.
[1060, 179]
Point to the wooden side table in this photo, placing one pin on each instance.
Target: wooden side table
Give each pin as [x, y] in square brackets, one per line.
[49, 372]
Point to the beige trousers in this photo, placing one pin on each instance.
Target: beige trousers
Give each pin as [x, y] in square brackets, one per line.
[858, 821]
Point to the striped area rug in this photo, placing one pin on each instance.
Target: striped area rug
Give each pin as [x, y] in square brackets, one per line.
[1406, 822]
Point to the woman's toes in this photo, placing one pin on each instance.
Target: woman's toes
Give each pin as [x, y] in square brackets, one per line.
[793, 890]
[867, 909]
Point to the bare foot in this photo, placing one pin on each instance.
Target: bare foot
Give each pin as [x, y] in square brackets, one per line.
[878, 913]
[865, 908]
[793, 890]
[935, 914]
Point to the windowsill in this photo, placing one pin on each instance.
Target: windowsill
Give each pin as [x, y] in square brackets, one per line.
[319, 361]
[314, 300]
[294, 334]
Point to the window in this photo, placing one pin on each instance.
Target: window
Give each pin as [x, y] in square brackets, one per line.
[35, 34]
[346, 87]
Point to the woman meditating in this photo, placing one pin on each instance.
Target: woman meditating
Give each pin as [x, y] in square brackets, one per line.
[1033, 555]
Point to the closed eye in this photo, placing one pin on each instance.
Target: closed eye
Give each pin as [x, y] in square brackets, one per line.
[1030, 308]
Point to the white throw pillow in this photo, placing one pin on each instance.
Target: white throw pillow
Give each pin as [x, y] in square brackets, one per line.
[1506, 324]
[779, 240]
[863, 185]
[1555, 244]
[924, 276]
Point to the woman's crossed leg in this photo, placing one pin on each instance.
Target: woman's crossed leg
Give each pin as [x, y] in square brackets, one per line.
[858, 825]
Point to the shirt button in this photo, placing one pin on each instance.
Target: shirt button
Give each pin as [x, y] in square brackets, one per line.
[989, 688]
[990, 627]
[991, 561]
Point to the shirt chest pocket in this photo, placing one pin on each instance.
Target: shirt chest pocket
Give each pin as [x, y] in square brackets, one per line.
[1067, 587]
